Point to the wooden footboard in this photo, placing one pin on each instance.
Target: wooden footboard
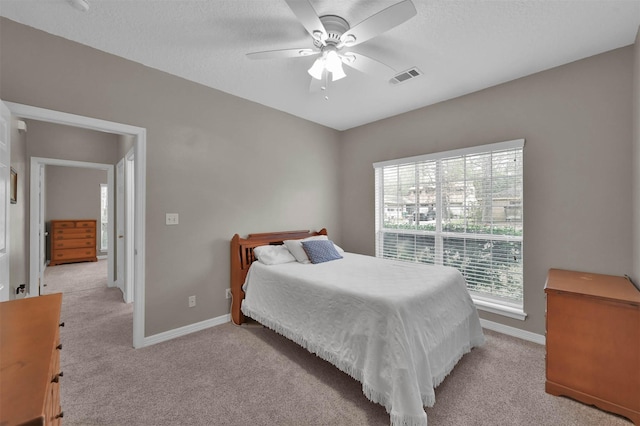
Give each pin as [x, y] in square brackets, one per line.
[242, 256]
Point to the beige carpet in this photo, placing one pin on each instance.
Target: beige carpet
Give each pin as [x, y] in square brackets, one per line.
[71, 277]
[229, 375]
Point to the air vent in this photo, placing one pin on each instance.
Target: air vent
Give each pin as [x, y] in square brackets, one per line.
[406, 76]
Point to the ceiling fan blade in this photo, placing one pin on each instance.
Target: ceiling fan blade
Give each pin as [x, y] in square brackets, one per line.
[379, 23]
[308, 17]
[283, 53]
[368, 65]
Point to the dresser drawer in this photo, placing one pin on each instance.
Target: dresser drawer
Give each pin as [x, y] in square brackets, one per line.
[85, 224]
[63, 224]
[52, 402]
[74, 243]
[73, 232]
[74, 253]
[52, 407]
[91, 236]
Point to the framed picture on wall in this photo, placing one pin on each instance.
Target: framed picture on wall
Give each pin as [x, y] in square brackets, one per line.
[14, 186]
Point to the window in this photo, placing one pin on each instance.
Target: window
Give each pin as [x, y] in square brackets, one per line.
[459, 208]
[104, 217]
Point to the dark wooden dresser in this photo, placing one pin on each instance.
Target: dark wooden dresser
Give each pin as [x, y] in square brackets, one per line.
[73, 241]
[30, 361]
[593, 340]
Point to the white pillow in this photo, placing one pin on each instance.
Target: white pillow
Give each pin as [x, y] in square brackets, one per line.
[273, 255]
[296, 249]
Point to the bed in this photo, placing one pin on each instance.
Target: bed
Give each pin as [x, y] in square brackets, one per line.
[396, 327]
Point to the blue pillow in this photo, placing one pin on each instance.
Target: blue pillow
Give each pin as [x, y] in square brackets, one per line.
[320, 251]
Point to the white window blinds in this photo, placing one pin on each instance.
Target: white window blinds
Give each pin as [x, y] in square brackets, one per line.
[459, 208]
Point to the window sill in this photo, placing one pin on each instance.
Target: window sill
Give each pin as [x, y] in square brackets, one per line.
[498, 308]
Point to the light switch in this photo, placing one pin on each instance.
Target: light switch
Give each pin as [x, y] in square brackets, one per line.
[172, 218]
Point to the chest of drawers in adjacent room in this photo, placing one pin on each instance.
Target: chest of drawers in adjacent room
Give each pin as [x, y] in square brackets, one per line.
[73, 241]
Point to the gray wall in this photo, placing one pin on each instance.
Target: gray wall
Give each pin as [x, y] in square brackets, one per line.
[74, 193]
[636, 158]
[125, 145]
[226, 165]
[577, 123]
[61, 142]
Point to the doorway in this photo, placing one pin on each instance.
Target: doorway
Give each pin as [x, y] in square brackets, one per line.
[136, 256]
[38, 233]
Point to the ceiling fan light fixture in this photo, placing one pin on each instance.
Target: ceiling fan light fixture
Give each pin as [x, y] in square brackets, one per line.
[317, 68]
[337, 73]
[319, 36]
[349, 40]
[333, 63]
[348, 58]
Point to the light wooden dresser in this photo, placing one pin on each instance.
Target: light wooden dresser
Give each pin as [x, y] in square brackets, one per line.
[30, 361]
[73, 241]
[593, 340]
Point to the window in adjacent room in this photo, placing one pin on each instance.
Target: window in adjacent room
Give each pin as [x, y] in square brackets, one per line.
[461, 208]
[104, 216]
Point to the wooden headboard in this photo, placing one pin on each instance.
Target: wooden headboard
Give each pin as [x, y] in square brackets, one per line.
[242, 257]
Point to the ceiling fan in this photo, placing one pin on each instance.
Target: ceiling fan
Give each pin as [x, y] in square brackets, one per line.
[333, 39]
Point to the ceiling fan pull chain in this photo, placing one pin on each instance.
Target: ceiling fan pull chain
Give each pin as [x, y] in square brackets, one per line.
[325, 87]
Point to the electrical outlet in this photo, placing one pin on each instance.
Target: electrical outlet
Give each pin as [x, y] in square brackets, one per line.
[227, 293]
[192, 301]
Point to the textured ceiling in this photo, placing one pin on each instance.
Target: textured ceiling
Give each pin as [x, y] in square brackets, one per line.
[460, 46]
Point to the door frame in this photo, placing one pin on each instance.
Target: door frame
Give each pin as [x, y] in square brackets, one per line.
[37, 220]
[5, 205]
[130, 190]
[139, 135]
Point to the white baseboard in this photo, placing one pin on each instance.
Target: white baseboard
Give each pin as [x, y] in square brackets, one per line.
[213, 322]
[187, 329]
[512, 331]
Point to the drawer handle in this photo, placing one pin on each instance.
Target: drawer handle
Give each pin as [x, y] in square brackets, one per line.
[61, 415]
[61, 324]
[59, 347]
[56, 378]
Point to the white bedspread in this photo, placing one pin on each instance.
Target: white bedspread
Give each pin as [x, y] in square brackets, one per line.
[398, 328]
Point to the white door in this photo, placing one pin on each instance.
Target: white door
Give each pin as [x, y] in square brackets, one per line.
[120, 230]
[5, 188]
